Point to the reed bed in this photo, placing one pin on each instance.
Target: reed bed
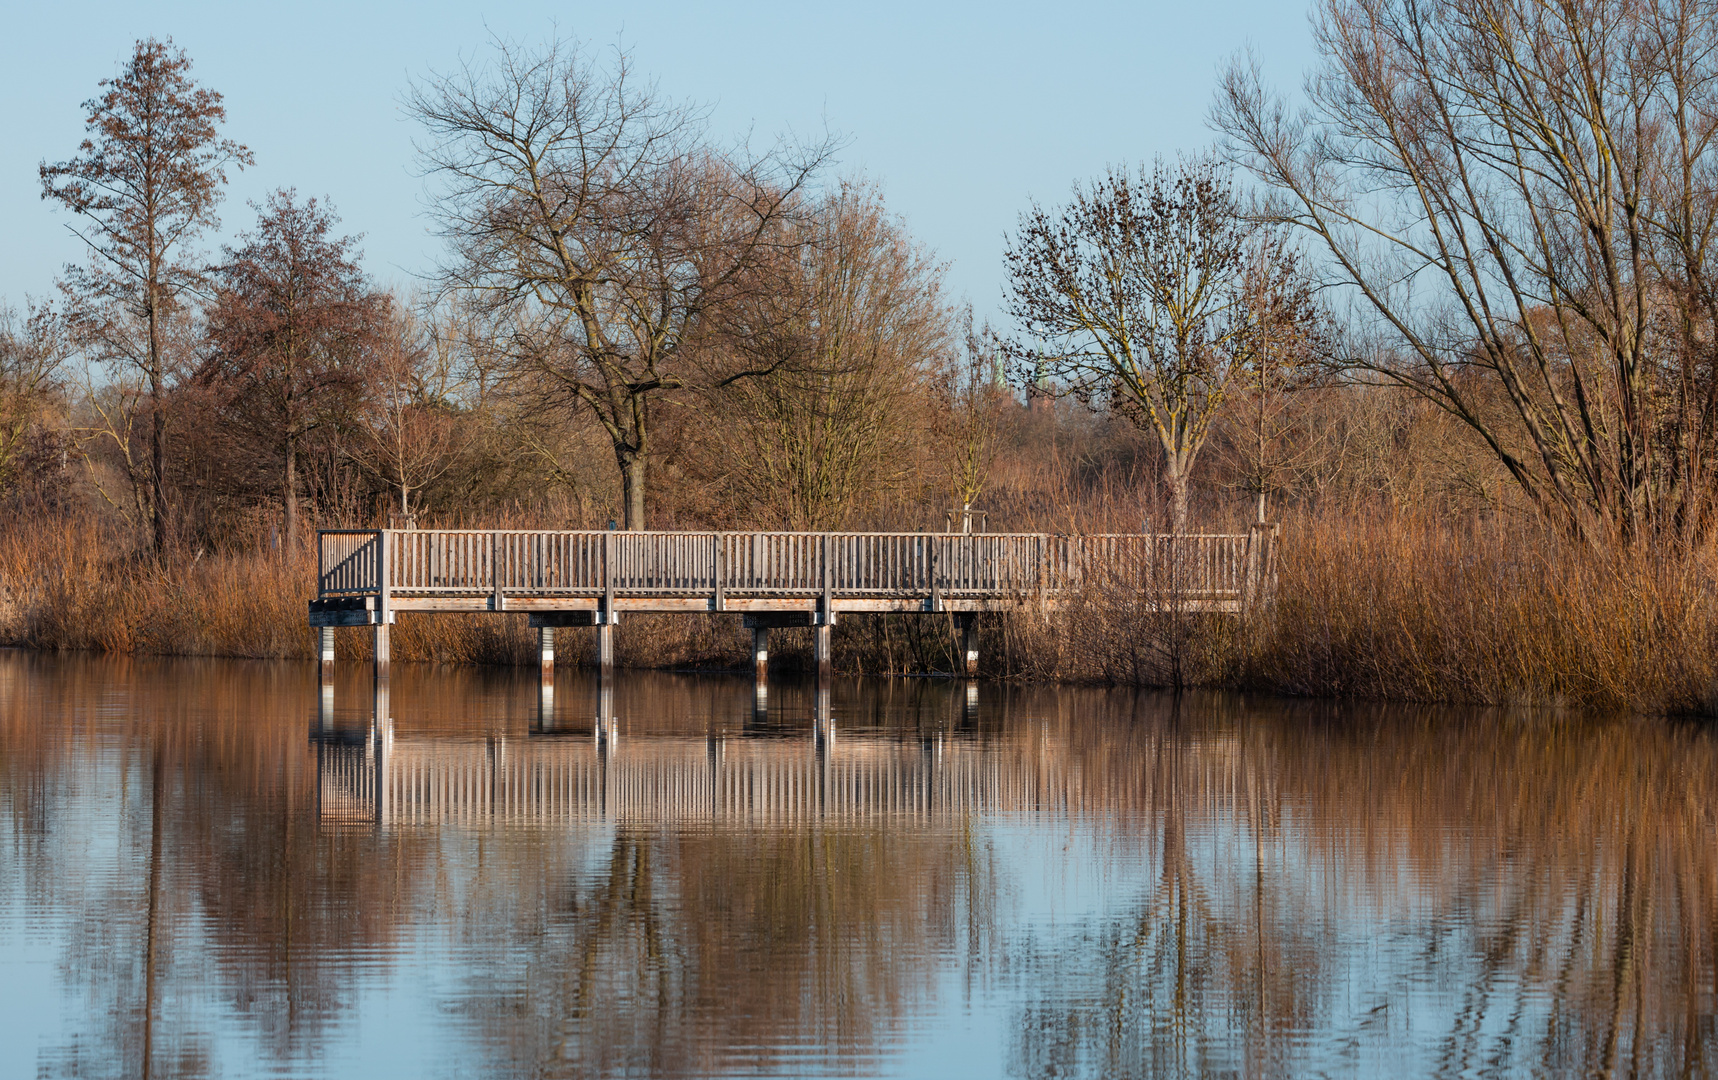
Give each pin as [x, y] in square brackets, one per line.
[1382, 606]
[1411, 609]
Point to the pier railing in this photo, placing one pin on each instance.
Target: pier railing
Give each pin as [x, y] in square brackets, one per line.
[1225, 569]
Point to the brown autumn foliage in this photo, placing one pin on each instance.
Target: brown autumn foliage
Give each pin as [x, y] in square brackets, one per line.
[293, 334]
[1386, 602]
[811, 373]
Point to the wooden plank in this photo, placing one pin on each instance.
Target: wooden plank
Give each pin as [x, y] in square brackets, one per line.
[553, 603]
[474, 602]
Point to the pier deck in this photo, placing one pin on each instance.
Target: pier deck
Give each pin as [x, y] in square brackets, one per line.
[366, 577]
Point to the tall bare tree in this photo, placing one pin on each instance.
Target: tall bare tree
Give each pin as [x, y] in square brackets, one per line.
[1134, 298]
[974, 395]
[294, 333]
[1291, 339]
[145, 184]
[1518, 195]
[843, 359]
[601, 214]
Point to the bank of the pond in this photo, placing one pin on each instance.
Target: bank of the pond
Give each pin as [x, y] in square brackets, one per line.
[1386, 608]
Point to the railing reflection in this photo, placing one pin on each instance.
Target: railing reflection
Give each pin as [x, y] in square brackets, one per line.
[545, 778]
[369, 775]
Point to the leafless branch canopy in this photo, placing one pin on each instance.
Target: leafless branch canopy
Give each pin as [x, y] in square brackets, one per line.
[1135, 297]
[601, 215]
[1519, 197]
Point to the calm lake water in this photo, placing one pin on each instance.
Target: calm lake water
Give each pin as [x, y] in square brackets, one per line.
[207, 871]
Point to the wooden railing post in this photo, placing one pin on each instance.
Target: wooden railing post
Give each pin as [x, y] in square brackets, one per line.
[936, 583]
[384, 575]
[719, 565]
[497, 601]
[828, 580]
[1249, 571]
[380, 651]
[608, 575]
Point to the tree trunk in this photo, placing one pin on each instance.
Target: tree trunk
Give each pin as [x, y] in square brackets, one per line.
[157, 431]
[1175, 485]
[632, 488]
[289, 497]
[157, 465]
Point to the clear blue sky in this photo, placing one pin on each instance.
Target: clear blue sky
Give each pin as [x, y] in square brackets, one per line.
[963, 112]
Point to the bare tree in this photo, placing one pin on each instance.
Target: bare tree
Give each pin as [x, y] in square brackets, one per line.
[841, 362]
[1134, 297]
[34, 351]
[1518, 196]
[602, 216]
[294, 333]
[974, 394]
[412, 433]
[145, 183]
[1291, 338]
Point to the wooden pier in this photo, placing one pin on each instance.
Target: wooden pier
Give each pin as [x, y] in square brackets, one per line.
[772, 579]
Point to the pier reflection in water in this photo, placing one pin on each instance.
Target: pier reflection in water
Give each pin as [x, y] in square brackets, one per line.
[210, 868]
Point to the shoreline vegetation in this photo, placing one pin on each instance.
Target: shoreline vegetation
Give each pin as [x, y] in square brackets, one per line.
[1394, 607]
[1491, 446]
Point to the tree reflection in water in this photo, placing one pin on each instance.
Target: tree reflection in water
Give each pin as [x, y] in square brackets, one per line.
[1115, 884]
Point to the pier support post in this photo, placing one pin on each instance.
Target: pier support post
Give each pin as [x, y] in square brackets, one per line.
[546, 706]
[381, 748]
[382, 652]
[546, 622]
[761, 653]
[605, 647]
[605, 725]
[968, 626]
[761, 704]
[823, 719]
[325, 642]
[546, 654]
[822, 650]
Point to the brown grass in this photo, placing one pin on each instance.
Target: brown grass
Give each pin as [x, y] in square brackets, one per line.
[1382, 606]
